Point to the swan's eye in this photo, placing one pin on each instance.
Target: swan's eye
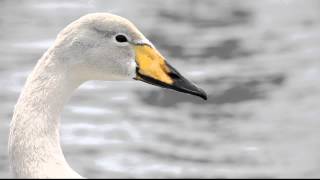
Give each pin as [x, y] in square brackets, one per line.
[121, 38]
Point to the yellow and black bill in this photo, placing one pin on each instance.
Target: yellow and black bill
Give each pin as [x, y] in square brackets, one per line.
[153, 69]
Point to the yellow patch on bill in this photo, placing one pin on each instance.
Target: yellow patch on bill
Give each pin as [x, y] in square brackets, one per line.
[152, 64]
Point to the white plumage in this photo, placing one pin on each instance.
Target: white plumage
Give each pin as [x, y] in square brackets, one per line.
[98, 46]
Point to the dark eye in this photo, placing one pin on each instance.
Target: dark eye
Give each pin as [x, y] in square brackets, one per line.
[121, 38]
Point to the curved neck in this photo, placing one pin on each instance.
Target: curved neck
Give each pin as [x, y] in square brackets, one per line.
[34, 143]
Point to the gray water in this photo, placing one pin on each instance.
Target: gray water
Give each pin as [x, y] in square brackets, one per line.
[257, 60]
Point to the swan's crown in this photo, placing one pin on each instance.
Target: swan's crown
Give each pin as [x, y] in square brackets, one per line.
[107, 24]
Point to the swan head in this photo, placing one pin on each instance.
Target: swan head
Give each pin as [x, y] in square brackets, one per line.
[102, 46]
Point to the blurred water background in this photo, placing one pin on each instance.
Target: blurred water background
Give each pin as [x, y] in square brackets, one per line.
[258, 61]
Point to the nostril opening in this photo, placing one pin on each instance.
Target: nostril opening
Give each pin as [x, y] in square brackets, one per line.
[173, 75]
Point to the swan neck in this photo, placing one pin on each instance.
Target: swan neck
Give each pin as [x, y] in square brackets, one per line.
[34, 140]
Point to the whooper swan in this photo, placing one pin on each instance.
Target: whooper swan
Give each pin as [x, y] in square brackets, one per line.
[98, 46]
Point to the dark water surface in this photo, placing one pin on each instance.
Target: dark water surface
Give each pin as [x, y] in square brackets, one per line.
[258, 61]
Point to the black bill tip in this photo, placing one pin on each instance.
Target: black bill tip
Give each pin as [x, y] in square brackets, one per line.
[183, 85]
[202, 94]
[180, 83]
